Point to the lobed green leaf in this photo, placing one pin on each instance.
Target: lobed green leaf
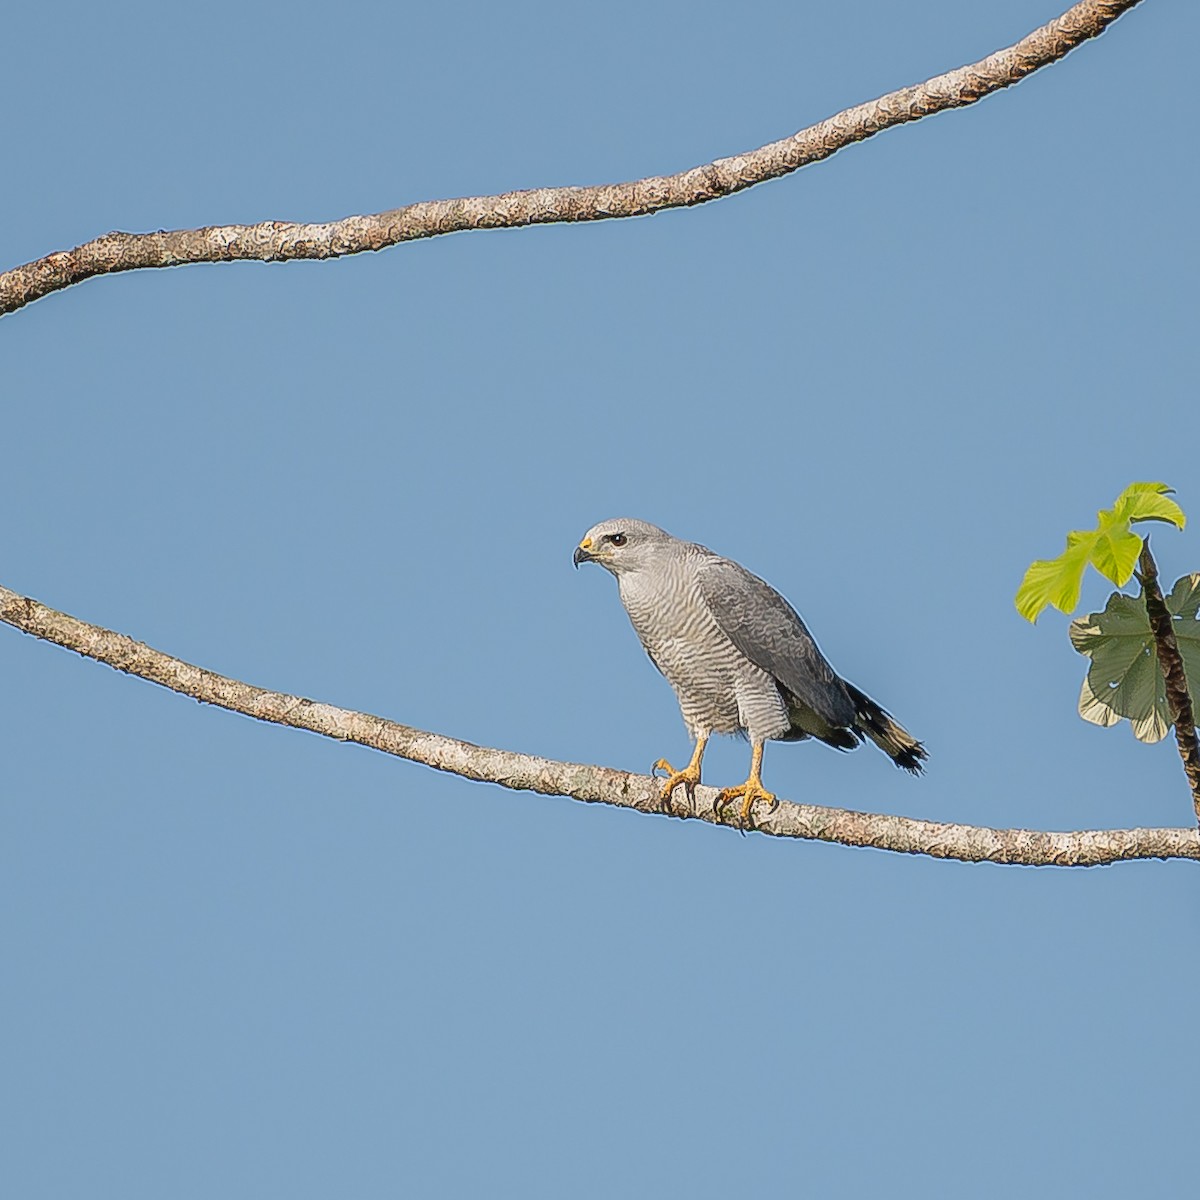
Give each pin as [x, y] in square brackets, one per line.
[1125, 680]
[1112, 548]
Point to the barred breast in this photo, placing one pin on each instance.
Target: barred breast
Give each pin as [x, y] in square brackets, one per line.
[719, 689]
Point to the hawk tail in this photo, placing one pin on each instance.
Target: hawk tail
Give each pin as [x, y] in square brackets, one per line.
[890, 736]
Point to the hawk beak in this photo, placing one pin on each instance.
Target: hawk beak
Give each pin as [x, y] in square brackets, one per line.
[583, 552]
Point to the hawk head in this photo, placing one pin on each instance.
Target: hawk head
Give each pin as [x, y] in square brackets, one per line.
[622, 545]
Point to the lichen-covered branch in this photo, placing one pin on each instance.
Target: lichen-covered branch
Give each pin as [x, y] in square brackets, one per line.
[274, 241]
[1179, 699]
[601, 785]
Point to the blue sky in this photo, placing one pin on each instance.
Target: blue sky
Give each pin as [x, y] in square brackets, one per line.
[247, 961]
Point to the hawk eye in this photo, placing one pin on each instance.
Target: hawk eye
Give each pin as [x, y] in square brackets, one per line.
[617, 539]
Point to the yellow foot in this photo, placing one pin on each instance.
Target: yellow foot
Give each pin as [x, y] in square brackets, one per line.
[749, 791]
[689, 777]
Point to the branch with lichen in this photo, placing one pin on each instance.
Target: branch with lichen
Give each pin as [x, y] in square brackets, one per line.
[593, 784]
[281, 241]
[1179, 700]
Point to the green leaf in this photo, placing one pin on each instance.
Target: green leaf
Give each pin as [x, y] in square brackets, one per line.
[1053, 581]
[1149, 502]
[1125, 680]
[1111, 548]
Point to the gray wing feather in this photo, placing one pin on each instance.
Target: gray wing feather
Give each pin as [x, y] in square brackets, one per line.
[770, 633]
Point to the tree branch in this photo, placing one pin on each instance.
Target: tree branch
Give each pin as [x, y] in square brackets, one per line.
[1179, 700]
[276, 241]
[601, 785]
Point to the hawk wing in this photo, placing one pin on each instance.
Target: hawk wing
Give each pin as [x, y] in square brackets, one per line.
[770, 633]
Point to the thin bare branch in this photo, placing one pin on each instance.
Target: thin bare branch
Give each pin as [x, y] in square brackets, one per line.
[276, 241]
[601, 785]
[1179, 699]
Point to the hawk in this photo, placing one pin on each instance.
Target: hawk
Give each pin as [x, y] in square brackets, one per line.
[737, 654]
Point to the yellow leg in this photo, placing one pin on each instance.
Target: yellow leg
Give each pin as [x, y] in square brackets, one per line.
[749, 791]
[689, 776]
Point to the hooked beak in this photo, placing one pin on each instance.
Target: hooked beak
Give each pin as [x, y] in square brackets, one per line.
[583, 552]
